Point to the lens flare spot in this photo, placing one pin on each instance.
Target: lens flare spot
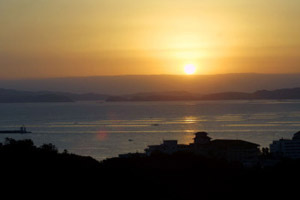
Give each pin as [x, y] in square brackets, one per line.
[102, 135]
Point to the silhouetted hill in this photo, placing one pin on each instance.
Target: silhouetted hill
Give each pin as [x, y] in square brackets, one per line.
[17, 96]
[78, 97]
[157, 96]
[179, 96]
[121, 85]
[85, 96]
[14, 96]
[290, 93]
[293, 93]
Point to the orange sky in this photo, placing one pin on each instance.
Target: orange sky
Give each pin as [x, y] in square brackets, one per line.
[55, 38]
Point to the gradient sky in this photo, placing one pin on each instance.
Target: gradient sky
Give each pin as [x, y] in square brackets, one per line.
[58, 38]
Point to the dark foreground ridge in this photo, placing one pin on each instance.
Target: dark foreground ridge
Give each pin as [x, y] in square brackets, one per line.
[181, 175]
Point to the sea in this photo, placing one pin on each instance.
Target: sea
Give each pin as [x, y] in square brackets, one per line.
[106, 129]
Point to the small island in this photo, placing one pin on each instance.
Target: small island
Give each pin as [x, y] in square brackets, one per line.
[22, 130]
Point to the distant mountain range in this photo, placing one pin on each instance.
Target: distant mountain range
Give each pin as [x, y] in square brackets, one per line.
[16, 96]
[280, 94]
[122, 85]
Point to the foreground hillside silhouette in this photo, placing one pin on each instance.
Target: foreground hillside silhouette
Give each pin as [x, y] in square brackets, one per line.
[178, 176]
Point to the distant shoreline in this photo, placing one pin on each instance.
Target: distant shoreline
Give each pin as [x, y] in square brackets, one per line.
[199, 100]
[281, 94]
[18, 96]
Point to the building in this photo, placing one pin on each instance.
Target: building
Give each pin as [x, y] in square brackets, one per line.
[167, 147]
[201, 138]
[231, 150]
[234, 150]
[287, 148]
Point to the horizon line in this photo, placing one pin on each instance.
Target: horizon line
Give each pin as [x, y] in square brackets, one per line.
[128, 75]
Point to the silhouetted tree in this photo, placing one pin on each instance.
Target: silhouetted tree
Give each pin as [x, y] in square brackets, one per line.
[49, 148]
[265, 151]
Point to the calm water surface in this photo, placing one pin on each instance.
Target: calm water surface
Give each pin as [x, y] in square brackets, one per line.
[103, 130]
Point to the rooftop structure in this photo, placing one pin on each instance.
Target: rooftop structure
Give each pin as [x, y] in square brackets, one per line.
[201, 138]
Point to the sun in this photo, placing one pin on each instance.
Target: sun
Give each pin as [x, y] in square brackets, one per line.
[190, 69]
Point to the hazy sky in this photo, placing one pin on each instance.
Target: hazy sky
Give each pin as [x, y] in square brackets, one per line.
[57, 38]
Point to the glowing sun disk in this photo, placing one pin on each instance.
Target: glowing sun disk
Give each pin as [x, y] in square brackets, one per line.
[190, 69]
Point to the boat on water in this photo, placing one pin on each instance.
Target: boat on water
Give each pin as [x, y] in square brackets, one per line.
[22, 130]
[155, 124]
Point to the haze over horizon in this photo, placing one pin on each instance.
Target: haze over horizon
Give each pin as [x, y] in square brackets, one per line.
[72, 38]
